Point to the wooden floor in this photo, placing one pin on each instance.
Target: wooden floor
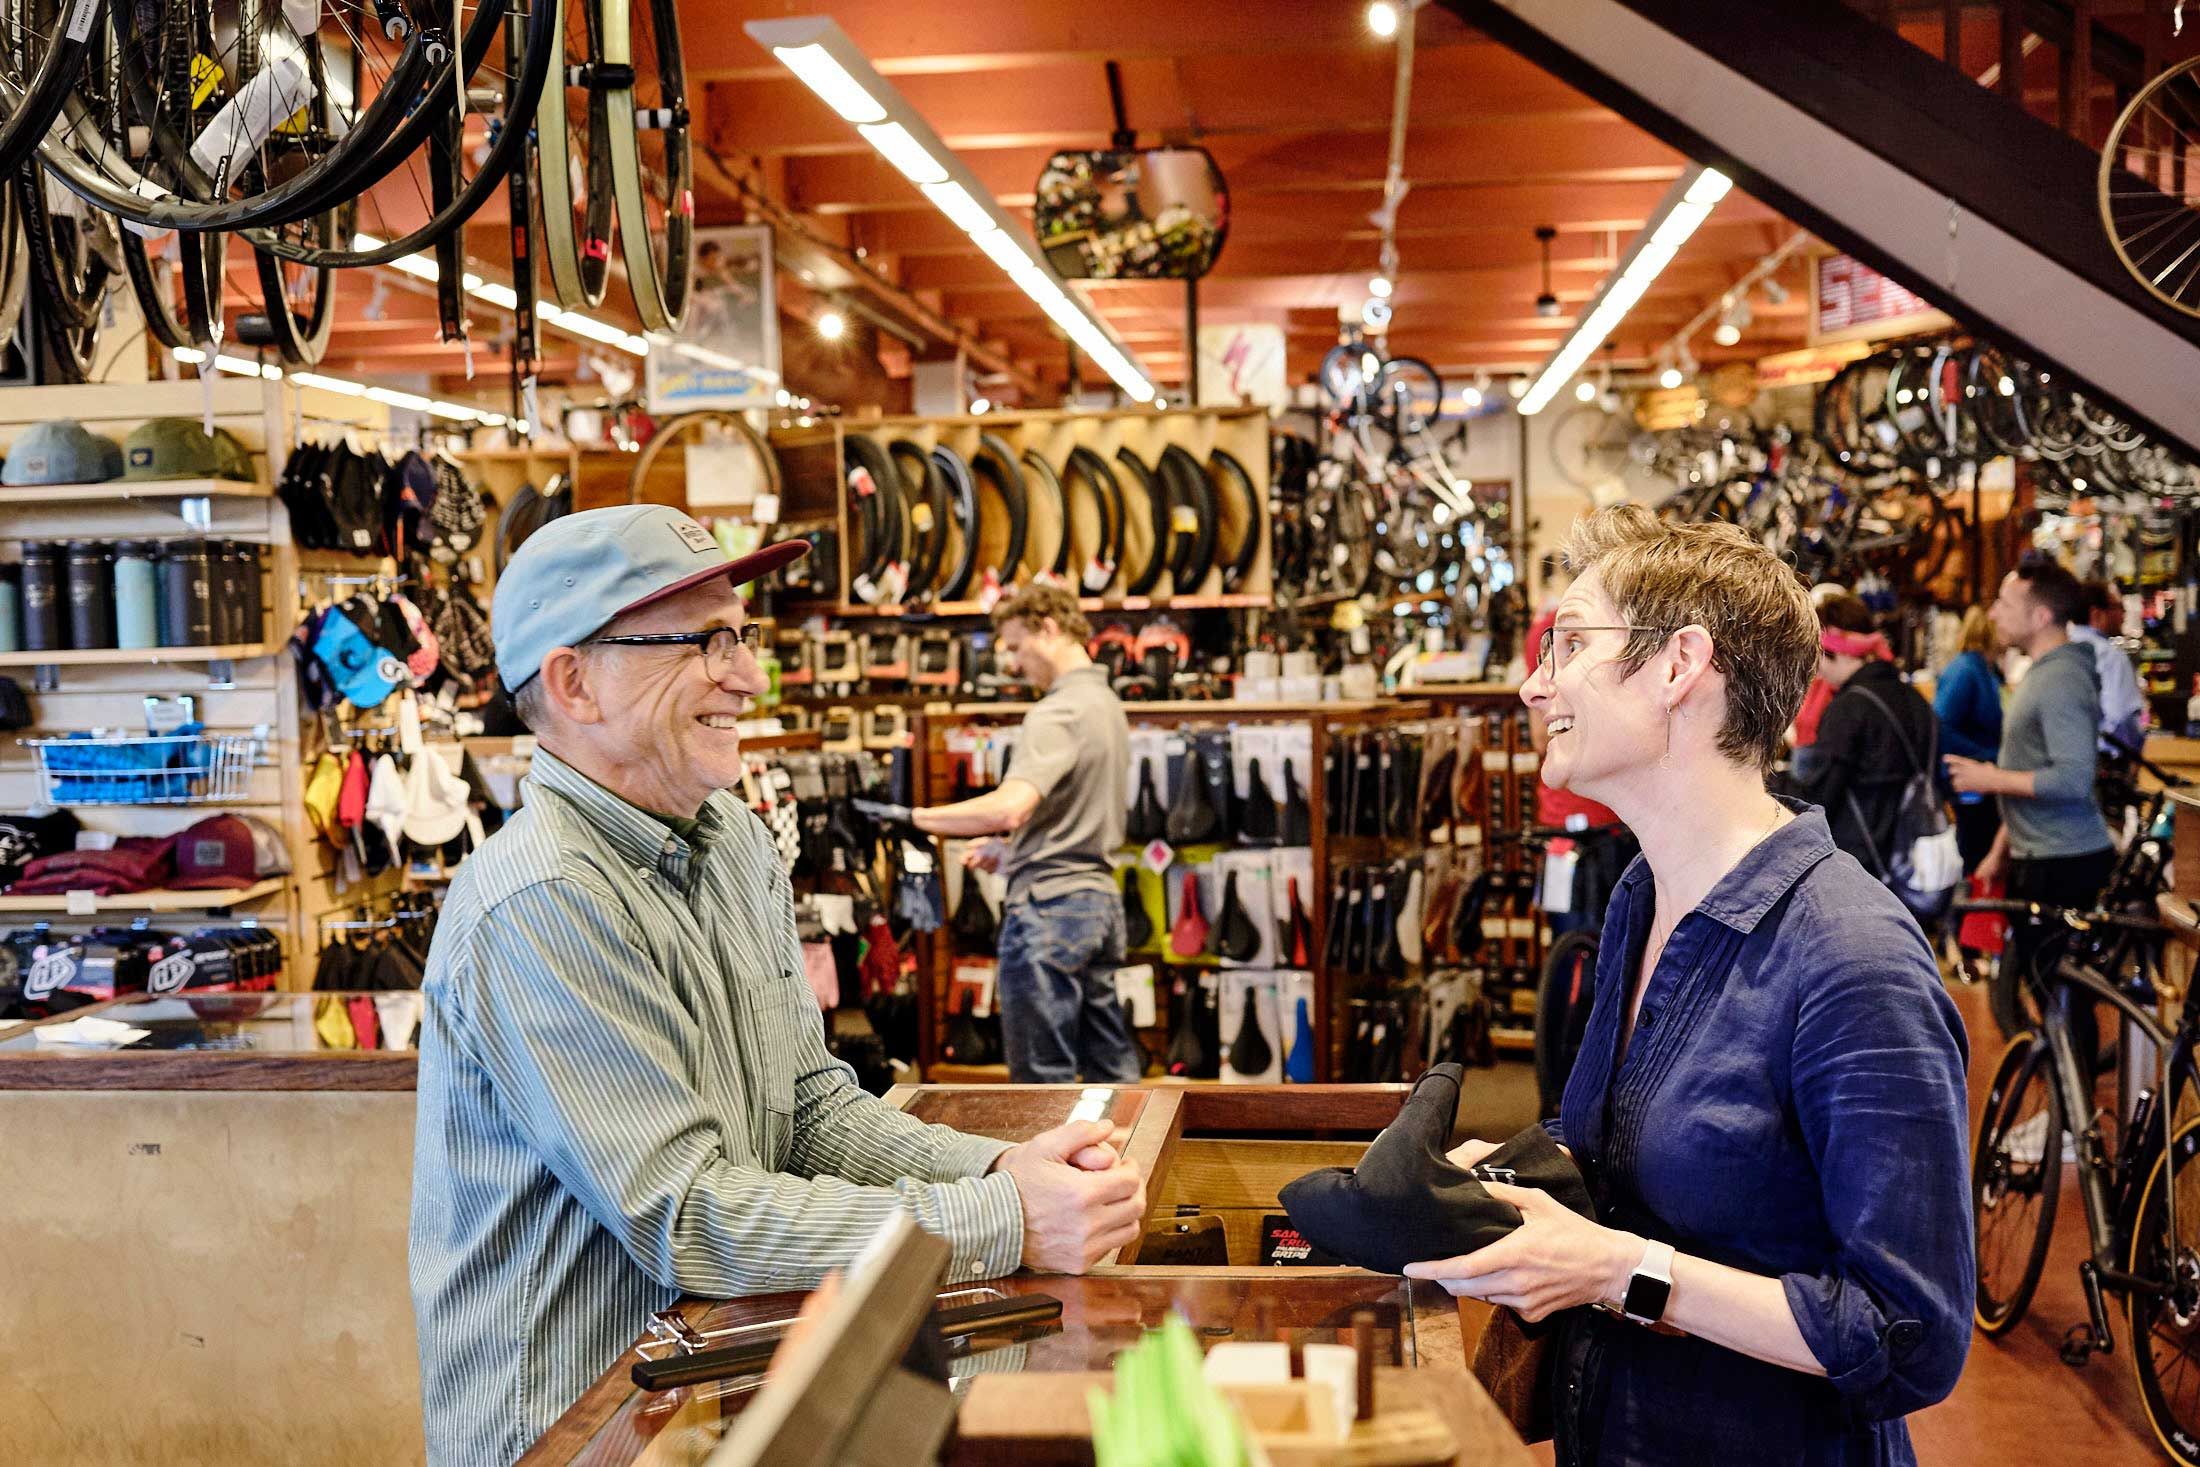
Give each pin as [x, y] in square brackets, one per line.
[2017, 1401]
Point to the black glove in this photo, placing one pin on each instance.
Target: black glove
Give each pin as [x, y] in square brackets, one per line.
[879, 813]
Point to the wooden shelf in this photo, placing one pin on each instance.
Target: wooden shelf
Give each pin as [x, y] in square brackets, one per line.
[855, 611]
[114, 657]
[158, 900]
[37, 496]
[801, 738]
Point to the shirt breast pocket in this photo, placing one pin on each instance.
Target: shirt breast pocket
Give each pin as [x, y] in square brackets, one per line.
[766, 1013]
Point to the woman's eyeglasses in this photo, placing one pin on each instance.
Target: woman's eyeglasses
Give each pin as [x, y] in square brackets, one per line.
[1560, 643]
[718, 645]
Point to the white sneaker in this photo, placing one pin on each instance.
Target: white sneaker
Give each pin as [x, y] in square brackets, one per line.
[2025, 1144]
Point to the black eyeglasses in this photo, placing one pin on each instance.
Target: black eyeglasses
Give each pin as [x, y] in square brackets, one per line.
[718, 645]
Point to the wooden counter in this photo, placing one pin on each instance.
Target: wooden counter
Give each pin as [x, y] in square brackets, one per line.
[213, 1041]
[1223, 1149]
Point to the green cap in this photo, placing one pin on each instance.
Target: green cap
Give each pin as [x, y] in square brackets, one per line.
[181, 448]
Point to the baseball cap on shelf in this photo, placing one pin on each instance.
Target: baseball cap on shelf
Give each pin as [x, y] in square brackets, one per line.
[578, 573]
[181, 448]
[61, 451]
[219, 851]
[362, 670]
[437, 804]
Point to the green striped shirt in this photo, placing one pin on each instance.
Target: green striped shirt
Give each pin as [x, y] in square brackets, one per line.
[625, 1097]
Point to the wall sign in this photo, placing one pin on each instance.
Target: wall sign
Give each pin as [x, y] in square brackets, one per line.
[1849, 300]
[727, 354]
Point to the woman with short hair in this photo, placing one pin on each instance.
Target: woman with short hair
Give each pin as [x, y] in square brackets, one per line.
[1769, 1104]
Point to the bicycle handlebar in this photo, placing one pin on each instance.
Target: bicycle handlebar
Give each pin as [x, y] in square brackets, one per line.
[2078, 915]
[2123, 747]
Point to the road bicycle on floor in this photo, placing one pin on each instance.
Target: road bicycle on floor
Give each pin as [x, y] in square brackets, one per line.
[2139, 1177]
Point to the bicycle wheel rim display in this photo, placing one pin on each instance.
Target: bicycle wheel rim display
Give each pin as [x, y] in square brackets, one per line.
[572, 126]
[2155, 232]
[2165, 1328]
[2015, 1185]
[651, 165]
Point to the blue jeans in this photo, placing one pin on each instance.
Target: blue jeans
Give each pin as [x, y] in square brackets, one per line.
[1059, 1014]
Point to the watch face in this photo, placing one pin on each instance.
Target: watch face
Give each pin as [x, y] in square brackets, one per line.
[1646, 1297]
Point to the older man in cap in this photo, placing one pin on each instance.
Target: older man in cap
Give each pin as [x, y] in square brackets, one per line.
[625, 1094]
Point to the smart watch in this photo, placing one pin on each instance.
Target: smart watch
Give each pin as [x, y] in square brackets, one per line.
[1651, 1284]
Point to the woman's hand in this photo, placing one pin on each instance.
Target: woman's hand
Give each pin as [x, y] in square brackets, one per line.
[1469, 1154]
[1554, 1260]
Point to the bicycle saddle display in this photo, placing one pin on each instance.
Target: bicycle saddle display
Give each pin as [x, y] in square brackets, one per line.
[1137, 926]
[1147, 820]
[1235, 938]
[1188, 938]
[1250, 1053]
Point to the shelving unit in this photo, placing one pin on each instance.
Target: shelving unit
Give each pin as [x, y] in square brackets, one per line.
[934, 779]
[212, 899]
[240, 686]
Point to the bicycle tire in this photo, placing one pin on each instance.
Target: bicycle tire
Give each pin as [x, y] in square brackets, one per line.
[962, 529]
[924, 488]
[994, 466]
[1152, 526]
[1222, 467]
[880, 517]
[1564, 994]
[1414, 392]
[2026, 1064]
[660, 262]
[1191, 497]
[2148, 210]
[671, 430]
[1054, 494]
[72, 293]
[32, 115]
[1099, 557]
[2143, 1308]
[577, 222]
[301, 338]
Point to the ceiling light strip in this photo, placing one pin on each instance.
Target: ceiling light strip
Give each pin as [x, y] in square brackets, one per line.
[504, 298]
[1685, 207]
[388, 396]
[815, 49]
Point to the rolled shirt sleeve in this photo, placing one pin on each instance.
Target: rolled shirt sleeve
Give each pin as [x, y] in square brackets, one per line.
[1878, 1073]
[598, 1083]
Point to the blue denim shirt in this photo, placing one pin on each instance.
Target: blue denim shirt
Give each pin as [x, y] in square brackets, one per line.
[1792, 1104]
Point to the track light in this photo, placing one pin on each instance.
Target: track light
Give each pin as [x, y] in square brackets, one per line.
[1670, 378]
[1380, 287]
[1776, 294]
[1585, 391]
[1472, 398]
[980, 406]
[1733, 321]
[1375, 314]
[1382, 18]
[1517, 387]
[1726, 333]
[832, 325]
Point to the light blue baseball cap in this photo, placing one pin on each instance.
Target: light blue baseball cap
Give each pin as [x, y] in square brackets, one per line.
[61, 452]
[576, 574]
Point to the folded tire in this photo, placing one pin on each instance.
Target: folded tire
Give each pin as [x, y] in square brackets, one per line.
[1002, 523]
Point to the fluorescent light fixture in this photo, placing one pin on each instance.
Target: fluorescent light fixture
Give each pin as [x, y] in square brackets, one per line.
[904, 152]
[1684, 208]
[504, 298]
[326, 384]
[391, 396]
[242, 367]
[820, 53]
[830, 80]
[963, 211]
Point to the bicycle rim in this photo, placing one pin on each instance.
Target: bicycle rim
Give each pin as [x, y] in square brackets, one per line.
[2145, 183]
[2016, 1181]
[571, 123]
[652, 169]
[1569, 981]
[2165, 1327]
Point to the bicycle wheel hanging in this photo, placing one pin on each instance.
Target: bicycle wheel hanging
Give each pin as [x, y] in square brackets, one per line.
[572, 128]
[2016, 1180]
[73, 260]
[2147, 190]
[2165, 1326]
[652, 169]
[299, 300]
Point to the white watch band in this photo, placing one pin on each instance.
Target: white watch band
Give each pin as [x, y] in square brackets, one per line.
[1657, 1261]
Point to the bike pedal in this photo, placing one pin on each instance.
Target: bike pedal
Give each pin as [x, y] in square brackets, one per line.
[2078, 1345]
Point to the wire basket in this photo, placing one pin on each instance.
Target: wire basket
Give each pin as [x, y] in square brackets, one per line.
[147, 769]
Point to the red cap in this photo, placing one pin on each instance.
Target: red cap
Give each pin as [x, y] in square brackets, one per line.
[351, 799]
[216, 852]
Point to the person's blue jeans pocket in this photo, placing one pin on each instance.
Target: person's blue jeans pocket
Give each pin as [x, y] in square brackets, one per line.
[1060, 1020]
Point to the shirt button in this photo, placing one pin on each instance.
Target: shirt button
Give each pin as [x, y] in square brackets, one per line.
[1649, 1019]
[1903, 1336]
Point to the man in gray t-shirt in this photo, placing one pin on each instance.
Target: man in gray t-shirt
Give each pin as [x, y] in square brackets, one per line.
[1061, 807]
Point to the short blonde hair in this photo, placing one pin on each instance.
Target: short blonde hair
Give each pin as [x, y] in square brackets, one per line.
[1978, 632]
[1764, 632]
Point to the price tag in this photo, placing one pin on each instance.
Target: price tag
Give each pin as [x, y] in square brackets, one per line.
[1558, 878]
[1134, 986]
[81, 903]
[859, 479]
[1157, 855]
[916, 860]
[1184, 520]
[921, 516]
[765, 511]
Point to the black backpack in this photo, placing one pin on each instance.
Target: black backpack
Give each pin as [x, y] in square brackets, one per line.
[1922, 865]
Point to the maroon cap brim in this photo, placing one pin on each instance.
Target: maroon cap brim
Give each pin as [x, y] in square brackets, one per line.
[739, 572]
[226, 881]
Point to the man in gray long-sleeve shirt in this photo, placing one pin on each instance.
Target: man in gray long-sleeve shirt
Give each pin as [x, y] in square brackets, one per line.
[2054, 847]
[625, 1093]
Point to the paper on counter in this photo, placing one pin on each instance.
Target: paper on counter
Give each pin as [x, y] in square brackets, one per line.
[90, 1033]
